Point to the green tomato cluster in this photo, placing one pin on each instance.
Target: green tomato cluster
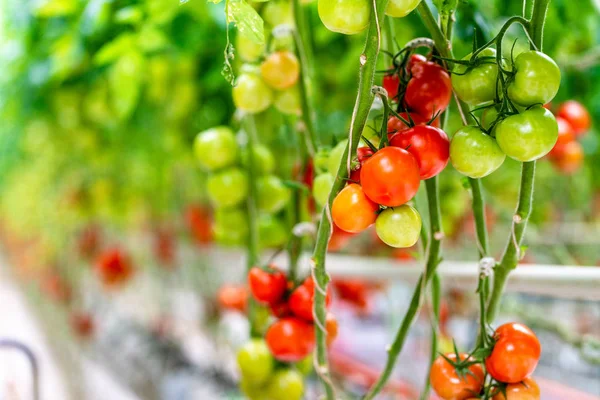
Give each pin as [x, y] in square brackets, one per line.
[261, 379]
[227, 186]
[526, 135]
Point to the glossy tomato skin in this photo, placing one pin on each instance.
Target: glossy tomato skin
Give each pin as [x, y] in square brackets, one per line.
[362, 155]
[515, 354]
[352, 211]
[255, 362]
[429, 89]
[285, 384]
[536, 80]
[474, 153]
[251, 94]
[290, 339]
[399, 227]
[302, 299]
[227, 187]
[529, 135]
[267, 286]
[390, 177]
[430, 147]
[390, 83]
[448, 385]
[577, 116]
[395, 125]
[216, 148]
[280, 70]
[345, 16]
[526, 390]
[401, 8]
[476, 85]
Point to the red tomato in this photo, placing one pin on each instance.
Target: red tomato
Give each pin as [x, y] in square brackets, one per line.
[290, 339]
[281, 309]
[449, 385]
[267, 286]
[338, 239]
[565, 135]
[576, 114]
[526, 390]
[391, 84]
[233, 297]
[352, 211]
[415, 59]
[430, 146]
[302, 299]
[114, 267]
[362, 155]
[390, 177]
[429, 90]
[354, 291]
[396, 125]
[82, 324]
[331, 325]
[515, 354]
[199, 222]
[568, 158]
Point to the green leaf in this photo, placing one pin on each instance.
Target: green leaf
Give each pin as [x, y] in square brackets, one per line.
[56, 8]
[114, 49]
[247, 20]
[129, 15]
[125, 83]
[152, 38]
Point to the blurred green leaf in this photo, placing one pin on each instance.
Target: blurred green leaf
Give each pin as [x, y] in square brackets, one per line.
[56, 8]
[111, 51]
[152, 39]
[125, 83]
[247, 20]
[129, 15]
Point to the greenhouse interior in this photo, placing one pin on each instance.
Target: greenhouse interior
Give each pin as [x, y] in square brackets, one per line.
[299, 199]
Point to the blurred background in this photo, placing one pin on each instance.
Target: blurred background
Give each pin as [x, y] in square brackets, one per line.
[118, 275]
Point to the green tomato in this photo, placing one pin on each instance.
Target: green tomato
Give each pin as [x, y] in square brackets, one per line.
[399, 226]
[335, 157]
[322, 187]
[529, 135]
[321, 160]
[305, 366]
[264, 161]
[228, 187]
[251, 94]
[287, 101]
[230, 226]
[247, 49]
[271, 231]
[488, 116]
[345, 16]
[476, 85]
[255, 361]
[401, 8]
[474, 153]
[278, 12]
[251, 391]
[536, 80]
[286, 384]
[216, 148]
[272, 195]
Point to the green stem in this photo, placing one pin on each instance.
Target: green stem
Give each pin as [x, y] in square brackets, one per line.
[308, 114]
[252, 244]
[295, 243]
[436, 290]
[441, 43]
[479, 216]
[364, 100]
[388, 39]
[433, 260]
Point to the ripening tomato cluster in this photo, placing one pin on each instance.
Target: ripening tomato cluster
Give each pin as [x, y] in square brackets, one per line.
[352, 16]
[289, 340]
[218, 152]
[384, 180]
[573, 122]
[517, 126]
[510, 362]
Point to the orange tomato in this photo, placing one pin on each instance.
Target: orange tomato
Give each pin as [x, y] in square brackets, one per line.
[352, 211]
[526, 390]
[449, 385]
[280, 70]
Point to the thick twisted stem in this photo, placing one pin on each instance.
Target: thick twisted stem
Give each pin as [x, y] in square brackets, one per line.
[364, 100]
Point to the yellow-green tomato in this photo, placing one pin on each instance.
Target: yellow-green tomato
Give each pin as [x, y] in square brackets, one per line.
[247, 49]
[227, 187]
[272, 195]
[288, 101]
[529, 135]
[271, 231]
[399, 226]
[251, 94]
[278, 12]
[286, 384]
[335, 157]
[251, 391]
[401, 8]
[536, 80]
[230, 226]
[474, 153]
[345, 16]
[216, 148]
[477, 85]
[263, 159]
[322, 187]
[255, 362]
